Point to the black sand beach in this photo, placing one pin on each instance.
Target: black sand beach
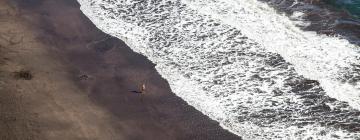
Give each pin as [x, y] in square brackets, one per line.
[62, 78]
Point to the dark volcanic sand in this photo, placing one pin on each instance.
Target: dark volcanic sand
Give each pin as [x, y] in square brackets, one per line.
[82, 82]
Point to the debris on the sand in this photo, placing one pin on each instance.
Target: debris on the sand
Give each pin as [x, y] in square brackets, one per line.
[23, 74]
[84, 77]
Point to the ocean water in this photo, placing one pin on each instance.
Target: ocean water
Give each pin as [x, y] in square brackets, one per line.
[328, 17]
[243, 64]
[351, 6]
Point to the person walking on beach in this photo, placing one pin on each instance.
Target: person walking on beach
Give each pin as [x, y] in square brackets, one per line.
[142, 89]
[142, 92]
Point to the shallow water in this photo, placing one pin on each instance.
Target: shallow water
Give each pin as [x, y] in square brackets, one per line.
[243, 64]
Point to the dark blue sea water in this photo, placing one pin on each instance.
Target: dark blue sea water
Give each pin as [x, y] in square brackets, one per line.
[329, 17]
[350, 6]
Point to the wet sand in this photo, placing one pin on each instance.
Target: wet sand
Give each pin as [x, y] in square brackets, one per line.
[62, 78]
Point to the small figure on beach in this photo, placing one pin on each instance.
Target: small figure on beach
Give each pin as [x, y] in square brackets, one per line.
[142, 92]
[142, 89]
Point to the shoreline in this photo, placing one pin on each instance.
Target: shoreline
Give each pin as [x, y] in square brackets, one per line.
[83, 81]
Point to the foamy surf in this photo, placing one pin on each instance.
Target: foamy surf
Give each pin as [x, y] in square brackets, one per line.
[222, 57]
[319, 57]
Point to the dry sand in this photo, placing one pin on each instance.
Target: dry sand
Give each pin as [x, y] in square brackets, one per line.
[63, 79]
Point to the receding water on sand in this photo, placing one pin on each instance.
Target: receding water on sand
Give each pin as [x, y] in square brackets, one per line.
[243, 65]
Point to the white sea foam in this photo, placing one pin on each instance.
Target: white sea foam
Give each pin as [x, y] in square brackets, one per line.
[221, 56]
[317, 57]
